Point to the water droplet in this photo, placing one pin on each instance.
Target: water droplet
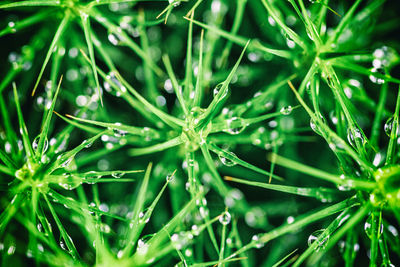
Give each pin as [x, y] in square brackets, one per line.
[255, 57]
[384, 56]
[378, 159]
[319, 237]
[118, 132]
[70, 181]
[40, 247]
[290, 219]
[355, 136]
[286, 110]
[346, 185]
[195, 230]
[105, 228]
[81, 100]
[87, 143]
[36, 141]
[117, 174]
[62, 245]
[332, 116]
[7, 147]
[256, 217]
[235, 125]
[168, 86]
[11, 250]
[390, 125]
[375, 79]
[67, 162]
[316, 125]
[256, 239]
[115, 39]
[309, 34]
[120, 254]
[104, 207]
[169, 177]
[233, 196]
[271, 21]
[203, 212]
[218, 88]
[44, 159]
[175, 3]
[181, 240]
[226, 161]
[225, 218]
[372, 219]
[393, 230]
[72, 75]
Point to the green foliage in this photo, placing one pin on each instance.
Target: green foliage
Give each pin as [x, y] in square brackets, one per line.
[199, 133]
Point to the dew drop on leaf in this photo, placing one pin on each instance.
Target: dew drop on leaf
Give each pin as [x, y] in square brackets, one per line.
[376, 79]
[36, 141]
[235, 125]
[369, 226]
[217, 89]
[315, 125]
[354, 136]
[117, 174]
[225, 160]
[286, 110]
[390, 125]
[256, 239]
[169, 178]
[225, 218]
[319, 237]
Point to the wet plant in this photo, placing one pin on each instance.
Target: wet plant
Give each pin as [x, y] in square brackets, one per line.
[200, 133]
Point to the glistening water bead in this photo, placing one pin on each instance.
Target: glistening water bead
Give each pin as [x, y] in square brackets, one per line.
[319, 237]
[256, 239]
[286, 110]
[353, 136]
[217, 89]
[36, 141]
[226, 161]
[117, 174]
[368, 226]
[225, 218]
[315, 125]
[376, 79]
[389, 125]
[235, 125]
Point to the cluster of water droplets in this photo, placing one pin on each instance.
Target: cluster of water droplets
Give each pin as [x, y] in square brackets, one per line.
[181, 239]
[384, 57]
[346, 185]
[114, 81]
[257, 241]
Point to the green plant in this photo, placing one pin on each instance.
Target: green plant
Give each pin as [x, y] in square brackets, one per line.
[217, 101]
